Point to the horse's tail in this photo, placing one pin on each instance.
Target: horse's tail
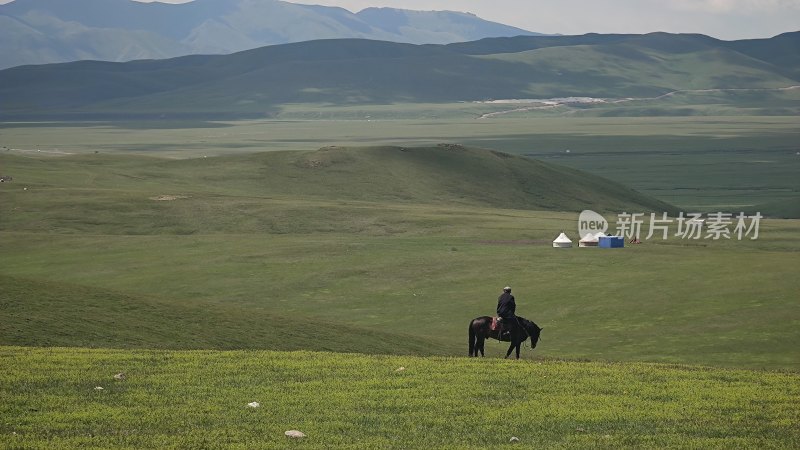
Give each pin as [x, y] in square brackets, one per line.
[472, 339]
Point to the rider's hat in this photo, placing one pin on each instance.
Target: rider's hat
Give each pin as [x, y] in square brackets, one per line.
[507, 288]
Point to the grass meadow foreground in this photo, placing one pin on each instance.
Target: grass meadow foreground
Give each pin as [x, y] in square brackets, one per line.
[69, 398]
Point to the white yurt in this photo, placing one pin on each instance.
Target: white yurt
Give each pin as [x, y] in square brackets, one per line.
[562, 241]
[590, 240]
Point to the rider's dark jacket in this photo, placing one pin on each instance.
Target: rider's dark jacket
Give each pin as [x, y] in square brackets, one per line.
[506, 306]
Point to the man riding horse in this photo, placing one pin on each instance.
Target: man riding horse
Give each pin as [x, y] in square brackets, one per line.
[506, 311]
[507, 326]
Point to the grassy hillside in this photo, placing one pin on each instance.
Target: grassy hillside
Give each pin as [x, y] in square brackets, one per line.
[259, 82]
[199, 399]
[780, 51]
[61, 314]
[661, 63]
[444, 175]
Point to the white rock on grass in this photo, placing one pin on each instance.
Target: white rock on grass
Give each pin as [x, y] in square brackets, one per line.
[295, 434]
[120, 376]
[254, 404]
[513, 439]
[98, 388]
[400, 369]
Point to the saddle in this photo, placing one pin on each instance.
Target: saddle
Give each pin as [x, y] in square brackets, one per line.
[504, 327]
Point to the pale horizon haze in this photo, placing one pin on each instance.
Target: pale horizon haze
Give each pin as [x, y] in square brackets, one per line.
[723, 19]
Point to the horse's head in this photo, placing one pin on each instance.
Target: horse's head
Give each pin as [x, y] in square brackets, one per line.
[533, 331]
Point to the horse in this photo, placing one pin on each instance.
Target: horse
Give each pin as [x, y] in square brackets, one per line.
[480, 330]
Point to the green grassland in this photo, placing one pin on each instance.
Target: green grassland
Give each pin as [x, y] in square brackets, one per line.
[305, 280]
[198, 399]
[236, 260]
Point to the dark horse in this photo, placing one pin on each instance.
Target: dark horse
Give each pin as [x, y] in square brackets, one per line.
[480, 330]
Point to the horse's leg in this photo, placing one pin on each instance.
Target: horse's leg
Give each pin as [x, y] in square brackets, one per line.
[510, 347]
[481, 341]
[472, 341]
[519, 344]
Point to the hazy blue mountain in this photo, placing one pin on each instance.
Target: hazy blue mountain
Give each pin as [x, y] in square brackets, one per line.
[435, 26]
[47, 31]
[257, 82]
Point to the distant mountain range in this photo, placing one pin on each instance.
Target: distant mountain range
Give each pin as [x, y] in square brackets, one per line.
[49, 31]
[255, 83]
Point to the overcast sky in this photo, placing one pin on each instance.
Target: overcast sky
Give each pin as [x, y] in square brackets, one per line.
[724, 19]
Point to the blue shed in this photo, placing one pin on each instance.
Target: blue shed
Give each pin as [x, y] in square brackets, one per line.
[611, 242]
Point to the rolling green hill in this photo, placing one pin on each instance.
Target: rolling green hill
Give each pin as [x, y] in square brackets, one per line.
[258, 82]
[780, 51]
[442, 175]
[661, 63]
